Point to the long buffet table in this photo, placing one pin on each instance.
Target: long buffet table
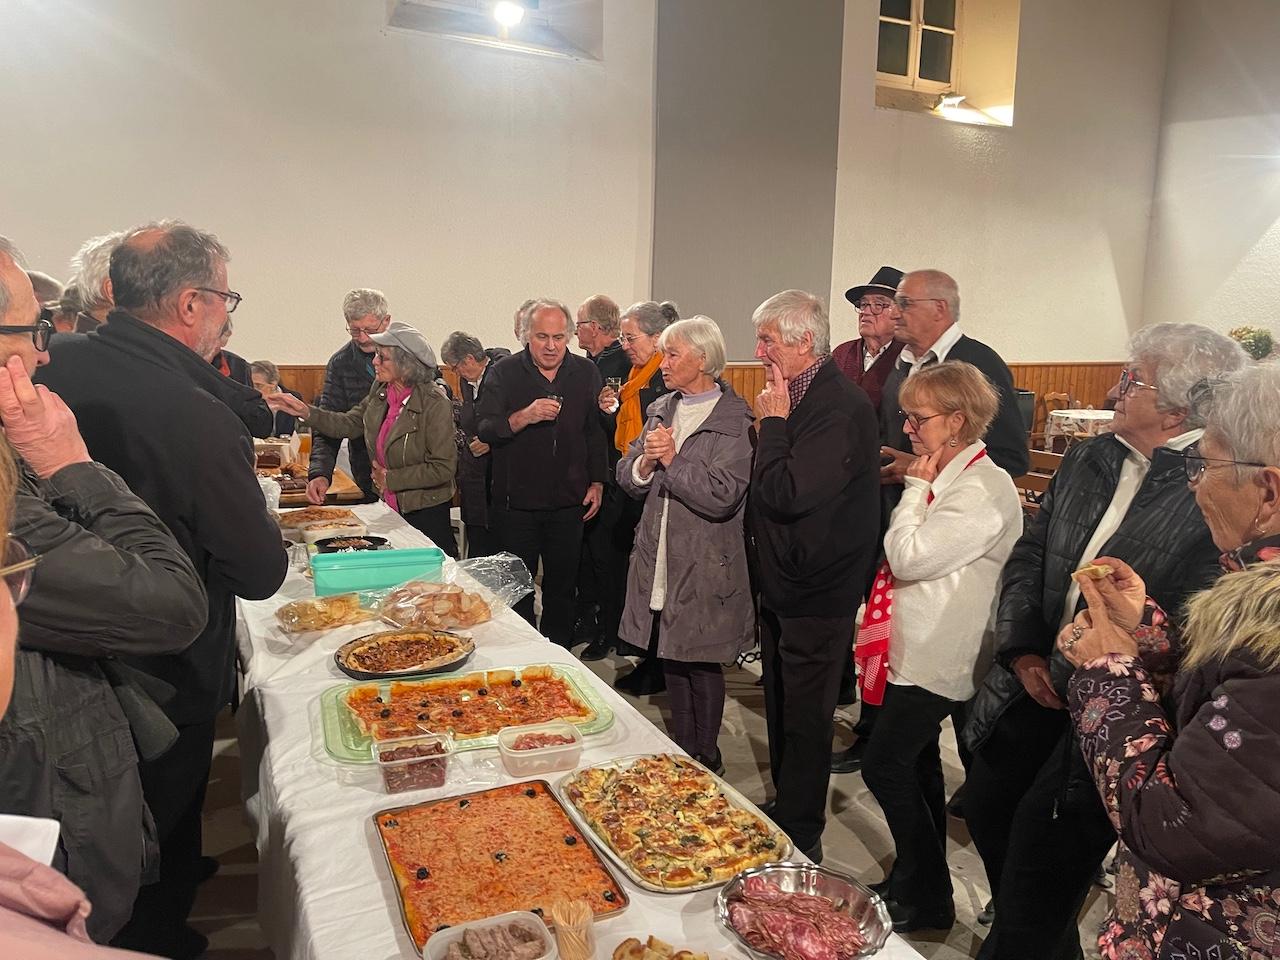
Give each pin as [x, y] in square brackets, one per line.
[325, 892]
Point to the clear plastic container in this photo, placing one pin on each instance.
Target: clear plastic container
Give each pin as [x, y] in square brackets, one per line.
[539, 760]
[438, 946]
[413, 763]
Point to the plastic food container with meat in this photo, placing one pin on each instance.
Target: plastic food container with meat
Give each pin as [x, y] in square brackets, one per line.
[508, 936]
[537, 748]
[416, 762]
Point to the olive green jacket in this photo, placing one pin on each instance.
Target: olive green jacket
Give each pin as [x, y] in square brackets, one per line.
[422, 456]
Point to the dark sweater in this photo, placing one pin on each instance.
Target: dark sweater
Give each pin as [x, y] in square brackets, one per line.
[547, 465]
[347, 379]
[613, 362]
[815, 501]
[188, 457]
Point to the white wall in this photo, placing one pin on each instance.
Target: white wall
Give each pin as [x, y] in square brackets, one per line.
[1044, 224]
[327, 153]
[1215, 239]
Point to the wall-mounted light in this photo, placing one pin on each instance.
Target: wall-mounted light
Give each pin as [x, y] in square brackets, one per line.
[508, 13]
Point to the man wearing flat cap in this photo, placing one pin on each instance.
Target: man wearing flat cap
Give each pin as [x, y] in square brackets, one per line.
[869, 360]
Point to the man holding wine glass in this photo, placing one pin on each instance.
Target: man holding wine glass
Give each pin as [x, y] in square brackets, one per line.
[539, 415]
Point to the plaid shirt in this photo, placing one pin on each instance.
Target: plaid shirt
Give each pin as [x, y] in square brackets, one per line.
[798, 385]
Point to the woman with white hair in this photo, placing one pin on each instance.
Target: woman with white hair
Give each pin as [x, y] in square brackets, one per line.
[1029, 802]
[407, 424]
[1190, 782]
[688, 593]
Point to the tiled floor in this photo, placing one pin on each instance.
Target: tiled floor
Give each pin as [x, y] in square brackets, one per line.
[856, 839]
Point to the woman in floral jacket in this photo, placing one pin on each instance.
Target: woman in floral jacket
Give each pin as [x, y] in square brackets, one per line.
[1191, 779]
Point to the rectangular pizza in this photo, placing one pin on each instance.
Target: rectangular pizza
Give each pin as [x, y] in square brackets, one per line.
[508, 848]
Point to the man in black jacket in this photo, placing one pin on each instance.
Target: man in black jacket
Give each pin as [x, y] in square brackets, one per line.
[1030, 803]
[473, 365]
[539, 413]
[191, 460]
[348, 376]
[112, 582]
[814, 522]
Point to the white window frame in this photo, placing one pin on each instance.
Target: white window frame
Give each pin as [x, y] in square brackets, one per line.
[913, 80]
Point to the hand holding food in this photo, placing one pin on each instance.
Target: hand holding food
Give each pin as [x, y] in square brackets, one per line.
[1118, 586]
[317, 489]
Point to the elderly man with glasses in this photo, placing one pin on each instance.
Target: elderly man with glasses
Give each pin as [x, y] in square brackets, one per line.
[132, 385]
[348, 376]
[1030, 803]
[112, 581]
[869, 360]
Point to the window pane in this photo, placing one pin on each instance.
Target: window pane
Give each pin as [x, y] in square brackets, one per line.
[935, 55]
[898, 9]
[895, 40]
[940, 13]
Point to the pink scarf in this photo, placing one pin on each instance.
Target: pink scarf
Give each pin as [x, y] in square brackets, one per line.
[396, 399]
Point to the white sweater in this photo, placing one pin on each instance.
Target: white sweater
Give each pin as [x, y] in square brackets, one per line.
[946, 558]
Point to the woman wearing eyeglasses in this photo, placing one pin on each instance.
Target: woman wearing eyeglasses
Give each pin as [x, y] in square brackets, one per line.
[1192, 783]
[925, 641]
[1029, 801]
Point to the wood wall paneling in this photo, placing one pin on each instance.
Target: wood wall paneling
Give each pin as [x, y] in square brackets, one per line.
[1086, 382]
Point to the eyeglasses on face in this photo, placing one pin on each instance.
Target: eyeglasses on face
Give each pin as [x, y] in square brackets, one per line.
[873, 307]
[915, 419]
[1129, 381]
[906, 303]
[41, 331]
[19, 568]
[230, 296]
[1196, 465]
[584, 323]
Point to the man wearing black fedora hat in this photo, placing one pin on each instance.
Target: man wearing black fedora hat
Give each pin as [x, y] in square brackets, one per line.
[869, 359]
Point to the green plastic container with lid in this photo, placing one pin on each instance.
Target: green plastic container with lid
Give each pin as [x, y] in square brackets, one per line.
[374, 569]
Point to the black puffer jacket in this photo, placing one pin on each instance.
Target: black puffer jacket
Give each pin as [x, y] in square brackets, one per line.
[111, 582]
[347, 379]
[1163, 536]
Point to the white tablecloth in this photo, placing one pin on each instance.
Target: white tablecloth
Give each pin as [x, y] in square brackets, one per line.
[325, 892]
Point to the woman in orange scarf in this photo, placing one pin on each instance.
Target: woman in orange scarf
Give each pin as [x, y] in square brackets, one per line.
[641, 327]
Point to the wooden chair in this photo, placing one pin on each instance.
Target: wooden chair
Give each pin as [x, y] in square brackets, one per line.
[1052, 403]
[1045, 461]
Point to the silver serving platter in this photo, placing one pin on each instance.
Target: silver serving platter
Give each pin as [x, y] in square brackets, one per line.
[861, 904]
[602, 844]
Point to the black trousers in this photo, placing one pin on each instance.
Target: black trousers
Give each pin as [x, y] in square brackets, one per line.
[606, 553]
[903, 770]
[482, 541]
[434, 522]
[1041, 829]
[802, 658]
[174, 787]
[555, 538]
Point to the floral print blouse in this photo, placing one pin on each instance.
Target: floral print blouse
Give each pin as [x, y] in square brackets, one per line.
[1194, 794]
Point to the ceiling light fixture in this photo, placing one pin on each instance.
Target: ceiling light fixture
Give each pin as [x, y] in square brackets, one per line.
[508, 13]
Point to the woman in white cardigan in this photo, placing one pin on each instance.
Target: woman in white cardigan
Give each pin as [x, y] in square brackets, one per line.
[947, 541]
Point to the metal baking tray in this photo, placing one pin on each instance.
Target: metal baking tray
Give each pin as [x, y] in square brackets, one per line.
[731, 794]
[859, 903]
[344, 742]
[624, 900]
